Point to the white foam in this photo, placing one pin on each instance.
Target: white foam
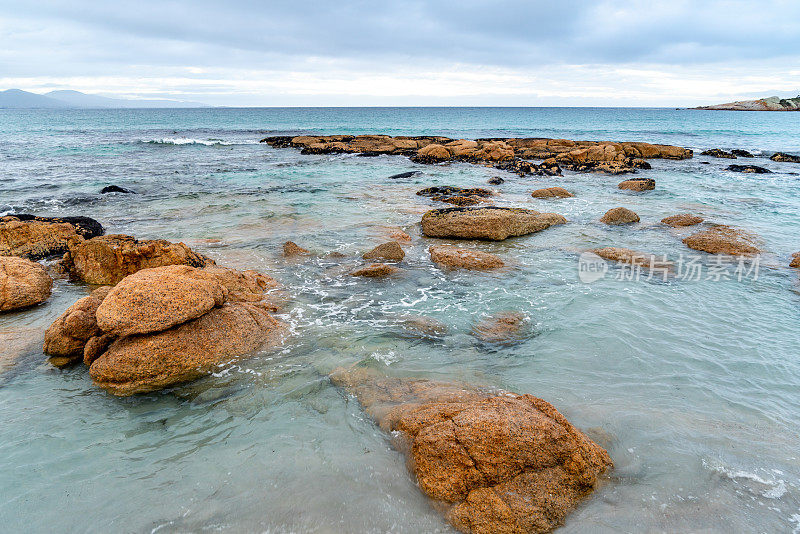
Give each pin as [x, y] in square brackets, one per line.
[187, 141]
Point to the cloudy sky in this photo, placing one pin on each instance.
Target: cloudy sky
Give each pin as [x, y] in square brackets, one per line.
[452, 52]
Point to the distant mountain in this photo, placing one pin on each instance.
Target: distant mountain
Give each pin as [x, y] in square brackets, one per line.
[772, 103]
[16, 98]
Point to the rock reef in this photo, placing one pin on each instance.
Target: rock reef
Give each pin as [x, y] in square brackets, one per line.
[772, 103]
[492, 462]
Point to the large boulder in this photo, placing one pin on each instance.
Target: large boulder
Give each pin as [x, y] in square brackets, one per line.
[37, 238]
[65, 339]
[23, 283]
[108, 259]
[619, 216]
[149, 362]
[156, 299]
[492, 462]
[463, 258]
[722, 239]
[683, 219]
[433, 152]
[491, 223]
[551, 192]
[391, 251]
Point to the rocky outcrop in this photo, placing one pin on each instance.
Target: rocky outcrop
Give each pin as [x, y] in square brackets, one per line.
[391, 251]
[619, 216]
[38, 238]
[292, 250]
[795, 260]
[142, 363]
[491, 223]
[376, 270]
[510, 154]
[153, 300]
[504, 328]
[772, 103]
[65, 339]
[785, 158]
[683, 219]
[638, 184]
[723, 239]
[492, 462]
[462, 258]
[718, 153]
[551, 192]
[165, 325]
[108, 259]
[752, 169]
[23, 283]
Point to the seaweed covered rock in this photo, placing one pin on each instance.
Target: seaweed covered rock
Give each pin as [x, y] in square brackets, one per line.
[683, 219]
[722, 239]
[785, 158]
[458, 196]
[463, 258]
[492, 462]
[551, 192]
[491, 223]
[23, 283]
[749, 169]
[38, 238]
[108, 259]
[66, 338]
[619, 216]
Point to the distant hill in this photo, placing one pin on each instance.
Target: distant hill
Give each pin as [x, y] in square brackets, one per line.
[772, 103]
[18, 99]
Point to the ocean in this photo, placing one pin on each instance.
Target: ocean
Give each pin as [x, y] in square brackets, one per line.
[691, 383]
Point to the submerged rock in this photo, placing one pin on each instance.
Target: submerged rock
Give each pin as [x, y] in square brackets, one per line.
[424, 326]
[462, 258]
[626, 255]
[116, 189]
[65, 339]
[292, 249]
[683, 219]
[752, 169]
[786, 158]
[149, 362]
[401, 175]
[491, 223]
[108, 259]
[723, 239]
[391, 251]
[495, 180]
[619, 216]
[638, 184]
[376, 270]
[37, 238]
[152, 300]
[502, 328]
[795, 260]
[552, 192]
[23, 283]
[492, 462]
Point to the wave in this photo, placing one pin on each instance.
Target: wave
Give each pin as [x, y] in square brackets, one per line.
[190, 141]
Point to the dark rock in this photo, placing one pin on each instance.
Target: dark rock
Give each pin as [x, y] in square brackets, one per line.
[786, 158]
[116, 189]
[86, 227]
[753, 169]
[448, 191]
[495, 180]
[741, 153]
[408, 174]
[717, 153]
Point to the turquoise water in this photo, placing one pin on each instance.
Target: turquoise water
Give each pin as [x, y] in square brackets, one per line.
[693, 386]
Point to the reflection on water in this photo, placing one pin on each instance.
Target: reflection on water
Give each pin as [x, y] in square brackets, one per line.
[693, 386]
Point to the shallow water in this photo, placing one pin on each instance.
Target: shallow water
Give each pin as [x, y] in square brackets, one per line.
[692, 385]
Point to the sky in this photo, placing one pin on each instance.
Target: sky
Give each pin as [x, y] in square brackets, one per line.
[405, 53]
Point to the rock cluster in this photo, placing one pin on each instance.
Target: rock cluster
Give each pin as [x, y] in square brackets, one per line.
[23, 283]
[619, 216]
[108, 259]
[462, 258]
[683, 219]
[723, 239]
[490, 461]
[37, 238]
[165, 325]
[718, 153]
[509, 154]
[772, 103]
[551, 192]
[491, 223]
